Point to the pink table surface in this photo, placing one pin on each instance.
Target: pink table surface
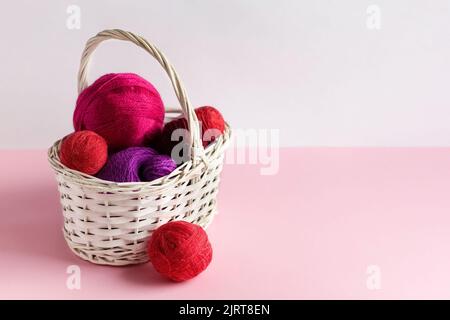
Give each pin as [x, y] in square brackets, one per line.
[308, 232]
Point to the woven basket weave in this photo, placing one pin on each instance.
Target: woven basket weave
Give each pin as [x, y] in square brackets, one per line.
[109, 223]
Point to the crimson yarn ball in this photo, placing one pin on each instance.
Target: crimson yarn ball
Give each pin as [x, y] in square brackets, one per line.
[179, 250]
[123, 108]
[209, 117]
[84, 151]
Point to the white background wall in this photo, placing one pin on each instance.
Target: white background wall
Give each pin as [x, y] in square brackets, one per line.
[310, 68]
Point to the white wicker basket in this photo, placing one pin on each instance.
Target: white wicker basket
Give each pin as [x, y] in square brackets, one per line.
[109, 223]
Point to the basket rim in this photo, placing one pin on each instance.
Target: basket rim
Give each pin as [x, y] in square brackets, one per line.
[188, 169]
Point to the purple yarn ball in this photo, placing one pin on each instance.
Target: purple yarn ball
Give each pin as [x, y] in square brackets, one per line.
[159, 165]
[136, 164]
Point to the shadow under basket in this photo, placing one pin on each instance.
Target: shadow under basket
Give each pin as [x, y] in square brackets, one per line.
[109, 223]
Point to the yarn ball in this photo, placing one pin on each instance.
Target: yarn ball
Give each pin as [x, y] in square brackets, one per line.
[123, 108]
[136, 164]
[157, 166]
[209, 117]
[179, 250]
[84, 151]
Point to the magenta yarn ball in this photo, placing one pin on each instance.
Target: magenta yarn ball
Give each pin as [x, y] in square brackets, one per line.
[125, 109]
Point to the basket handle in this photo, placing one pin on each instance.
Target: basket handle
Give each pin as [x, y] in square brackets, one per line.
[186, 107]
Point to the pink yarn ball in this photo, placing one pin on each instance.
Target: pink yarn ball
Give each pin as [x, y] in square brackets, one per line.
[123, 108]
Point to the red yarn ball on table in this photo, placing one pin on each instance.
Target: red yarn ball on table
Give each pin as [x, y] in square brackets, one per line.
[124, 108]
[179, 250]
[209, 117]
[84, 151]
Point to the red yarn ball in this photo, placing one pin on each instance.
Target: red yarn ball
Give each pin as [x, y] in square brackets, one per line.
[84, 151]
[179, 250]
[123, 108]
[209, 117]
